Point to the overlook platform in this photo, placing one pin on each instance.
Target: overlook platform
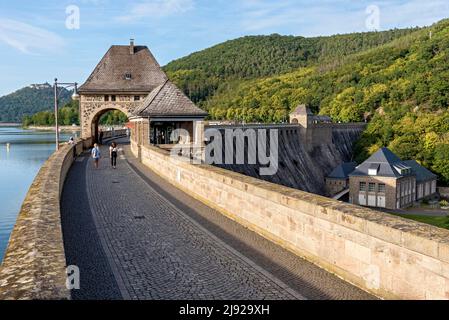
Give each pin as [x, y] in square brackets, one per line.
[135, 236]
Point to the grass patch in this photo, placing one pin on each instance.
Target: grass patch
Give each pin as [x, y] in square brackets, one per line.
[441, 222]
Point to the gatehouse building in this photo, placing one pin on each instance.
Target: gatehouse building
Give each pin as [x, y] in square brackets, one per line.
[129, 79]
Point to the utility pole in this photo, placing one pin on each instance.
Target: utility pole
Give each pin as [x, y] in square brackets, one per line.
[56, 114]
[75, 97]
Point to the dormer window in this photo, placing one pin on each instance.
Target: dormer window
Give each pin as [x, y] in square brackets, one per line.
[374, 169]
[128, 76]
[403, 169]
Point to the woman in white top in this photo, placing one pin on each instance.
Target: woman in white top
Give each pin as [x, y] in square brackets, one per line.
[113, 153]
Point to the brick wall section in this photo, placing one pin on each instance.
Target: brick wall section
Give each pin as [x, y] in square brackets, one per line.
[390, 189]
[386, 255]
[335, 186]
[34, 263]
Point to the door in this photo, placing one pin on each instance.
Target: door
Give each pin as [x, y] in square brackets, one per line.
[362, 199]
[381, 201]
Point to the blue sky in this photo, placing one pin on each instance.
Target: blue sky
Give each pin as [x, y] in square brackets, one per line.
[36, 45]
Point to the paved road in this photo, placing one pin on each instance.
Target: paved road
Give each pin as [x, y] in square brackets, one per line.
[134, 236]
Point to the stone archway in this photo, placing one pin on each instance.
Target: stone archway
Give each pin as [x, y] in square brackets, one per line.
[90, 117]
[93, 107]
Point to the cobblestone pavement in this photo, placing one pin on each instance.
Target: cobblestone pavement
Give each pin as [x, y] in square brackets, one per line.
[136, 237]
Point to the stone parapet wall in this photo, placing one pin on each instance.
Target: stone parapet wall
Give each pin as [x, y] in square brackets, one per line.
[113, 134]
[383, 254]
[356, 125]
[34, 267]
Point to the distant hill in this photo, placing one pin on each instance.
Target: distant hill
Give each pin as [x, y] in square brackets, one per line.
[202, 73]
[28, 101]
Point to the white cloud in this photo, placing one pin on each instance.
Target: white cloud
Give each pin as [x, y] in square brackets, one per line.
[156, 9]
[27, 38]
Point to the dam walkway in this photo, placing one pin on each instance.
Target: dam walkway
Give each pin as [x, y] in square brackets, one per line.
[134, 236]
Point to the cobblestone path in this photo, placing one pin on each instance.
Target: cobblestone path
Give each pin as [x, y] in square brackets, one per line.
[135, 237]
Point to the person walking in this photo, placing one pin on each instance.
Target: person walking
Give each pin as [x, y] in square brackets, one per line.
[113, 153]
[71, 141]
[96, 155]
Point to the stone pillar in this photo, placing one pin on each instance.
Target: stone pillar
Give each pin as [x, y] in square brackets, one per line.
[145, 132]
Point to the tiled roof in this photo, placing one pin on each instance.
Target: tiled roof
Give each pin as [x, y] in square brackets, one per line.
[422, 174]
[110, 74]
[168, 100]
[302, 110]
[343, 171]
[387, 164]
[322, 118]
[385, 160]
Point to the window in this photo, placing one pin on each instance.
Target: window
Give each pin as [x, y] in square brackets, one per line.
[106, 98]
[372, 187]
[363, 186]
[374, 169]
[113, 98]
[128, 76]
[381, 188]
[136, 98]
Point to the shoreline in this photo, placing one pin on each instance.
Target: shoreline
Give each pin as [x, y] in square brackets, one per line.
[9, 124]
[52, 128]
[68, 128]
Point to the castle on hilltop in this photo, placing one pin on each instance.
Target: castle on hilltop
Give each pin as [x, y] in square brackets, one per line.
[40, 86]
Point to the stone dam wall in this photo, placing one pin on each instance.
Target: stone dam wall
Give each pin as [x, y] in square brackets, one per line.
[391, 257]
[299, 168]
[386, 255]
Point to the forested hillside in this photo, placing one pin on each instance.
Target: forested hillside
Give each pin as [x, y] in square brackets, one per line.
[401, 87]
[202, 73]
[28, 101]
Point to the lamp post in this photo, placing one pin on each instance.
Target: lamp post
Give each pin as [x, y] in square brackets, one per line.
[75, 97]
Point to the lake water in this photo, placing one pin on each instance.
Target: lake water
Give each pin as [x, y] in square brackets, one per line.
[18, 167]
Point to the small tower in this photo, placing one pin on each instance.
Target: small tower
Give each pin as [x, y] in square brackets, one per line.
[303, 116]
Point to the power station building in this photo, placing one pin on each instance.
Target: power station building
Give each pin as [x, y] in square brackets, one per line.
[385, 181]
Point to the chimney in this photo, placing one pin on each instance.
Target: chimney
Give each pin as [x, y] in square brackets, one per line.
[131, 46]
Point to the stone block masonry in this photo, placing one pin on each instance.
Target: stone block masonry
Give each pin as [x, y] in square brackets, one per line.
[34, 267]
[391, 257]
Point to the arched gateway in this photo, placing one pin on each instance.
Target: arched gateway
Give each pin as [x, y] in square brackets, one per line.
[129, 79]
